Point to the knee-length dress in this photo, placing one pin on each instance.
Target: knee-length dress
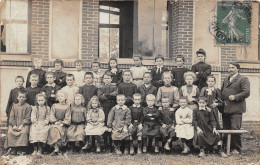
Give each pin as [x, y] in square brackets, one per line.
[150, 123]
[20, 115]
[205, 120]
[107, 96]
[57, 133]
[118, 118]
[184, 128]
[39, 130]
[95, 122]
[76, 130]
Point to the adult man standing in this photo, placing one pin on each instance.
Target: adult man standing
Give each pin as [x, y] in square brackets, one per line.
[235, 89]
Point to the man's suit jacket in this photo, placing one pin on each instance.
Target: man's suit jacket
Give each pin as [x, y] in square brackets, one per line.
[240, 88]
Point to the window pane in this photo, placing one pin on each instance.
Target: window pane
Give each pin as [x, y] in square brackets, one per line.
[103, 18]
[114, 42]
[104, 42]
[114, 9]
[114, 19]
[104, 7]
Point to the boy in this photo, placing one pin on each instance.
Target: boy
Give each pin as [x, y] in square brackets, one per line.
[50, 89]
[178, 72]
[167, 122]
[150, 123]
[107, 96]
[33, 90]
[158, 71]
[119, 119]
[97, 74]
[135, 129]
[19, 80]
[147, 88]
[88, 90]
[59, 74]
[19, 125]
[37, 70]
[127, 88]
[79, 74]
[70, 89]
[202, 69]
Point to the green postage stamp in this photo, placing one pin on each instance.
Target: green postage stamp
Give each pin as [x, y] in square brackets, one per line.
[233, 25]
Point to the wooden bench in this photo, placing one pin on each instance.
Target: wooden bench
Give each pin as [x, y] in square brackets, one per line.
[229, 132]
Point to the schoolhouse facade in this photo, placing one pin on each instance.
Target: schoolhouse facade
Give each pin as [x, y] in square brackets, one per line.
[95, 29]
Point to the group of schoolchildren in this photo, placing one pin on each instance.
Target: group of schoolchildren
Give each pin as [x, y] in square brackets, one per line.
[128, 109]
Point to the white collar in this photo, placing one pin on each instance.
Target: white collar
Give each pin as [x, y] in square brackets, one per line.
[233, 76]
[123, 107]
[150, 106]
[136, 106]
[202, 109]
[146, 86]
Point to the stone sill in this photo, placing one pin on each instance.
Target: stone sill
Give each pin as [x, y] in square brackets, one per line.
[16, 57]
[249, 65]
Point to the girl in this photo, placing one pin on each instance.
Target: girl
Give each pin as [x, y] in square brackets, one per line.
[119, 119]
[179, 71]
[40, 124]
[184, 129]
[205, 126]
[189, 90]
[79, 73]
[75, 132]
[95, 122]
[19, 125]
[60, 118]
[37, 70]
[150, 123]
[168, 91]
[138, 71]
[113, 69]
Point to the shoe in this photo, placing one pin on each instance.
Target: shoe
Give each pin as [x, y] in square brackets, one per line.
[139, 150]
[223, 155]
[34, 153]
[53, 153]
[156, 149]
[118, 151]
[126, 151]
[144, 149]
[85, 146]
[167, 146]
[132, 150]
[185, 150]
[39, 153]
[98, 149]
[235, 152]
[56, 148]
[202, 154]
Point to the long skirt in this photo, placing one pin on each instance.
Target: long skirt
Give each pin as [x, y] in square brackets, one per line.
[95, 130]
[39, 133]
[76, 133]
[57, 134]
[17, 139]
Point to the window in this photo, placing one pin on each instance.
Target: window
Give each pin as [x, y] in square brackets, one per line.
[15, 26]
[116, 29]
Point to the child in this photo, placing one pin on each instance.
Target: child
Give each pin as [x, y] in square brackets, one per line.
[158, 71]
[178, 73]
[116, 73]
[40, 124]
[60, 118]
[50, 89]
[107, 96]
[95, 122]
[88, 90]
[19, 80]
[37, 70]
[59, 74]
[119, 119]
[19, 124]
[138, 71]
[184, 128]
[127, 88]
[202, 69]
[213, 96]
[136, 127]
[189, 90]
[167, 122]
[76, 132]
[205, 126]
[97, 74]
[70, 89]
[150, 123]
[79, 74]
[168, 91]
[147, 88]
[33, 90]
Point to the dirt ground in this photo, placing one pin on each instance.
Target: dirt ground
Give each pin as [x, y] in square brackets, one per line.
[250, 155]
